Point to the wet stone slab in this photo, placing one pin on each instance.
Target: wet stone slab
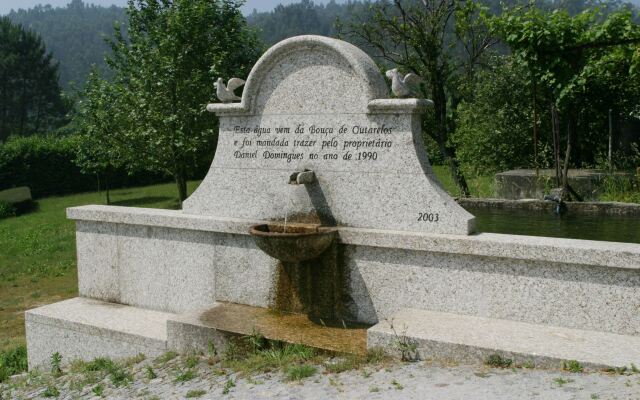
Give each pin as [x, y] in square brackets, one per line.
[241, 319]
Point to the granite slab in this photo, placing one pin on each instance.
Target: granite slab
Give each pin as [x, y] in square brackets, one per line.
[452, 337]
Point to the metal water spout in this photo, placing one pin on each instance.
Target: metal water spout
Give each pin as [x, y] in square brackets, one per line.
[302, 178]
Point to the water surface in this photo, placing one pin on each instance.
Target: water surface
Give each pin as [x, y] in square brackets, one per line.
[611, 228]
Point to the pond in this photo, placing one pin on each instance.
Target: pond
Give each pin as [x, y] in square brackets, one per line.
[611, 228]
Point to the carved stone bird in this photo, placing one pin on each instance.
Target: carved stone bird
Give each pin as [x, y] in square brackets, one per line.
[225, 93]
[402, 86]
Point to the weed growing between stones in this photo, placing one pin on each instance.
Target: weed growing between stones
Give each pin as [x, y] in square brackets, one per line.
[407, 347]
[98, 390]
[572, 366]
[299, 372]
[119, 374]
[51, 391]
[192, 394]
[151, 374]
[228, 385]
[397, 385]
[348, 363]
[185, 375]
[134, 360]
[191, 361]
[497, 361]
[376, 355]
[256, 341]
[105, 377]
[211, 349]
[56, 360]
[251, 355]
[99, 364]
[622, 370]
[166, 357]
[252, 381]
[561, 381]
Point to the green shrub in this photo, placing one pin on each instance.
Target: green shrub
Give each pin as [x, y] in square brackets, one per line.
[12, 362]
[46, 164]
[7, 209]
[494, 129]
[620, 188]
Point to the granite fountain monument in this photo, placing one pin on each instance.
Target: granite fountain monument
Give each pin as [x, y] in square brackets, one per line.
[371, 240]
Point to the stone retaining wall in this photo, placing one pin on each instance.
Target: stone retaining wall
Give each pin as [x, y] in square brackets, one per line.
[167, 261]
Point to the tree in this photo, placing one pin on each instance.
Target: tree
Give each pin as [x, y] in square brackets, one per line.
[566, 57]
[164, 75]
[493, 128]
[439, 40]
[30, 98]
[99, 120]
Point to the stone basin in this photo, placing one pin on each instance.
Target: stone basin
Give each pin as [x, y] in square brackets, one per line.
[298, 243]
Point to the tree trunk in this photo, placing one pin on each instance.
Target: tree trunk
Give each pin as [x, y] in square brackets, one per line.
[98, 182]
[23, 107]
[458, 176]
[567, 155]
[555, 128]
[106, 186]
[181, 183]
[535, 127]
[610, 147]
[447, 153]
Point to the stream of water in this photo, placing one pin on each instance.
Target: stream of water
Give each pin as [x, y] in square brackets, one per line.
[287, 209]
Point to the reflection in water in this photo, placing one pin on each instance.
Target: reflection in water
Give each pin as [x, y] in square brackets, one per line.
[611, 228]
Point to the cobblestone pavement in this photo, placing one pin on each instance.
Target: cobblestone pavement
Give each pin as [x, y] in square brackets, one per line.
[203, 377]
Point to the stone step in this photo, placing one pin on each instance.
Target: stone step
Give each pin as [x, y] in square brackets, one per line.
[461, 338]
[195, 330]
[82, 328]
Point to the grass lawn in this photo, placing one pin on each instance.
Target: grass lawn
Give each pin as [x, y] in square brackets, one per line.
[482, 186]
[38, 252]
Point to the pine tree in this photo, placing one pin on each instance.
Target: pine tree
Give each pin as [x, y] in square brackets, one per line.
[30, 98]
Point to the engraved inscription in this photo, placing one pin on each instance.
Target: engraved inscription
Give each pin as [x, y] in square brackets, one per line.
[357, 143]
[428, 217]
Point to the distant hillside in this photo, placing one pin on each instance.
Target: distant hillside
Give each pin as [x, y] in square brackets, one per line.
[304, 18]
[74, 34]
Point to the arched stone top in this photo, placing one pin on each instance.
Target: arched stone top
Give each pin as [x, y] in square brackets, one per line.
[289, 73]
[318, 104]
